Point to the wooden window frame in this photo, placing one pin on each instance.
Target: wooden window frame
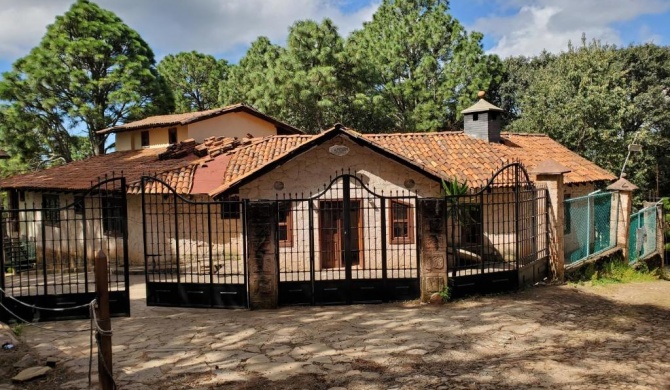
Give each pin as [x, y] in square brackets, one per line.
[288, 223]
[142, 139]
[409, 239]
[51, 217]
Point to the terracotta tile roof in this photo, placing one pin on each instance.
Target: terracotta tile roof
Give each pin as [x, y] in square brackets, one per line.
[79, 175]
[190, 117]
[180, 179]
[248, 159]
[532, 149]
[445, 155]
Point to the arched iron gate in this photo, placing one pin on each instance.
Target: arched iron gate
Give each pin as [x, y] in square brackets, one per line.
[347, 244]
[195, 250]
[497, 235]
[48, 248]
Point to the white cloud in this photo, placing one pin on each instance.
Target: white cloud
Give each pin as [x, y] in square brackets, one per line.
[170, 26]
[550, 24]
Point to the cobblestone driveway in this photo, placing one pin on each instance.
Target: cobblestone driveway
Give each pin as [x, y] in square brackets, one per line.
[550, 337]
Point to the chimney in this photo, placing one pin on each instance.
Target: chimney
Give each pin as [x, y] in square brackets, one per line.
[482, 120]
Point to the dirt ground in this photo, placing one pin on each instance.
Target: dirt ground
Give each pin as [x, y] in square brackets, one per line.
[557, 337]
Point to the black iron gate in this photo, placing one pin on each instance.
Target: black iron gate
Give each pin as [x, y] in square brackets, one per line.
[194, 250]
[497, 235]
[49, 242]
[347, 244]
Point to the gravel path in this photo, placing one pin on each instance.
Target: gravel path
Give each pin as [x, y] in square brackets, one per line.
[566, 337]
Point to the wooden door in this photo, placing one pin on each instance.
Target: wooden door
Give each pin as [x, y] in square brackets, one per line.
[331, 233]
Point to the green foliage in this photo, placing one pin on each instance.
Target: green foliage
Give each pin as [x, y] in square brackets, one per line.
[611, 271]
[445, 293]
[18, 329]
[594, 98]
[419, 65]
[194, 79]
[89, 70]
[455, 188]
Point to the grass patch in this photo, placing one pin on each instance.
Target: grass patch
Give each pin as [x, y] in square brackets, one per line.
[613, 271]
[18, 329]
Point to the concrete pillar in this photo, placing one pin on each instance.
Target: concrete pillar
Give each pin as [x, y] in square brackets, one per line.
[624, 201]
[550, 174]
[432, 231]
[261, 255]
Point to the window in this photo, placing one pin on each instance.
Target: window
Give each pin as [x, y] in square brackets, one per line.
[475, 117]
[145, 138]
[285, 223]
[231, 206]
[112, 216]
[471, 230]
[51, 212]
[172, 135]
[78, 205]
[401, 223]
[13, 204]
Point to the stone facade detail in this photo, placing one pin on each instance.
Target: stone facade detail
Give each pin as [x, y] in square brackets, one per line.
[261, 260]
[433, 246]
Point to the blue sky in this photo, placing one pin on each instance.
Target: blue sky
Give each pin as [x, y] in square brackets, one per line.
[224, 28]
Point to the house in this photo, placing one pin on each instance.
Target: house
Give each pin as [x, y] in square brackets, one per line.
[336, 217]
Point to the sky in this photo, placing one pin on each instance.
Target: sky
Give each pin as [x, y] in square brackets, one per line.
[225, 28]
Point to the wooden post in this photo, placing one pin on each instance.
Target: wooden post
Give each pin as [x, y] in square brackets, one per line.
[104, 341]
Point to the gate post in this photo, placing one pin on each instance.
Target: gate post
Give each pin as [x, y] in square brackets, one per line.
[261, 254]
[624, 190]
[551, 174]
[433, 242]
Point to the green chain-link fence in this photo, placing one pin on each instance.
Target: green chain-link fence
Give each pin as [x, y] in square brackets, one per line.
[590, 226]
[642, 234]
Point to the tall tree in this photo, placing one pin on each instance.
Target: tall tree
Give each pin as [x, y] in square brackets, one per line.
[90, 70]
[420, 63]
[580, 100]
[194, 79]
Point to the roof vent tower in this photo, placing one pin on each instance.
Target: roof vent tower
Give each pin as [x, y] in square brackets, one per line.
[483, 120]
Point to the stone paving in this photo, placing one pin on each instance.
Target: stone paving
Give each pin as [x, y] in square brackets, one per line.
[549, 337]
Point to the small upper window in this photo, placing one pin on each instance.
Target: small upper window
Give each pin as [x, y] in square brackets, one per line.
[172, 135]
[475, 117]
[145, 138]
[51, 212]
[285, 223]
[401, 223]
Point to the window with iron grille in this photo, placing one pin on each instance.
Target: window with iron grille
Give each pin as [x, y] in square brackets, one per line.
[471, 227]
[51, 212]
[285, 223]
[78, 205]
[13, 204]
[401, 223]
[112, 216]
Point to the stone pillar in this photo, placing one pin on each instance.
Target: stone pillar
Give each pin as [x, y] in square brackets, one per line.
[624, 190]
[432, 230]
[550, 173]
[261, 255]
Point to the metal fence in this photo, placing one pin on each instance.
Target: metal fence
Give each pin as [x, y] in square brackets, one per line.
[642, 234]
[590, 226]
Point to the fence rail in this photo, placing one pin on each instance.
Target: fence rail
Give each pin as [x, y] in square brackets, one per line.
[642, 234]
[590, 226]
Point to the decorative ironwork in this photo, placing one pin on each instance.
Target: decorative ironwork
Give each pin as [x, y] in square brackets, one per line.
[48, 251]
[349, 244]
[194, 249]
[496, 232]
